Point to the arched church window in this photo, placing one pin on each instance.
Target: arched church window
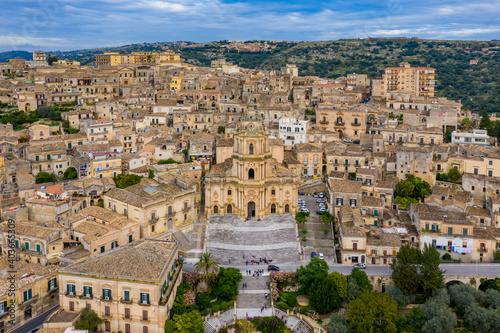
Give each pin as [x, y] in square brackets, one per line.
[287, 209]
[251, 174]
[251, 149]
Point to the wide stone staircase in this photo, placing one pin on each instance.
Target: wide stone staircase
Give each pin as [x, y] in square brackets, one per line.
[191, 242]
[232, 239]
[317, 241]
[252, 299]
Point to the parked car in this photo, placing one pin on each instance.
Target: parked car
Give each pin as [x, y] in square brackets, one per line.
[360, 266]
[313, 254]
[321, 256]
[273, 268]
[319, 212]
[320, 200]
[315, 195]
[321, 195]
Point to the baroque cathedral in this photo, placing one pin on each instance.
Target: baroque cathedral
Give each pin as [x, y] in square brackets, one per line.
[251, 184]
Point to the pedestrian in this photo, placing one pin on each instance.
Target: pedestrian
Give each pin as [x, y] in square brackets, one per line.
[229, 261]
[265, 296]
[243, 256]
[247, 314]
[253, 277]
[261, 309]
[265, 306]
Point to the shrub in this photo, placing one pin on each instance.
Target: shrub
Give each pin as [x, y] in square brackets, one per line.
[282, 305]
[399, 296]
[352, 289]
[446, 257]
[202, 301]
[44, 177]
[439, 318]
[215, 308]
[70, 173]
[492, 298]
[337, 324]
[322, 296]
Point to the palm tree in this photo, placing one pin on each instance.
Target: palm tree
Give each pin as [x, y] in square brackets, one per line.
[206, 266]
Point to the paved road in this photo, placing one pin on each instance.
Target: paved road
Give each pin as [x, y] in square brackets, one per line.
[34, 323]
[450, 269]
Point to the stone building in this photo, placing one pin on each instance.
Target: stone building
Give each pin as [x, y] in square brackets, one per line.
[251, 183]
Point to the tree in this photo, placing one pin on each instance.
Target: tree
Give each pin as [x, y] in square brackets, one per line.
[438, 317]
[454, 175]
[189, 322]
[227, 284]
[431, 276]
[315, 269]
[169, 326]
[327, 218]
[340, 281]
[44, 177]
[371, 312]
[70, 173]
[89, 320]
[202, 301]
[45, 111]
[447, 137]
[496, 255]
[485, 122]
[415, 271]
[361, 279]
[399, 296]
[353, 289]
[51, 59]
[337, 324]
[124, 181]
[168, 161]
[206, 266]
[151, 174]
[323, 297]
[404, 188]
[467, 124]
[221, 129]
[416, 319]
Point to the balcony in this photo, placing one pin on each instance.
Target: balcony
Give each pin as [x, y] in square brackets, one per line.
[324, 122]
[355, 124]
[153, 220]
[106, 299]
[187, 209]
[482, 250]
[28, 302]
[171, 214]
[122, 300]
[337, 124]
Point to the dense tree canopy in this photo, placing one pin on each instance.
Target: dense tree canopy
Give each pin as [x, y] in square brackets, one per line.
[373, 312]
[124, 181]
[227, 285]
[323, 296]
[316, 269]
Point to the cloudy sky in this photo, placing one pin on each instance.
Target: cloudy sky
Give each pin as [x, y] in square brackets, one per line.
[78, 24]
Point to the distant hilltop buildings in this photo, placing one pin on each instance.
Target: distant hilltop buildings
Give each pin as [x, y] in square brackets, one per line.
[137, 58]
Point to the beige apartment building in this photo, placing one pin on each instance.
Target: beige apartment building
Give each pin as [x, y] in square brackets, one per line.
[35, 291]
[417, 81]
[132, 287]
[158, 207]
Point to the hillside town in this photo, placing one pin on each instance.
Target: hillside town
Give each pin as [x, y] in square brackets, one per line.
[118, 178]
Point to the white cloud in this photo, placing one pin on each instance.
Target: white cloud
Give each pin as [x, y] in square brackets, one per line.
[23, 40]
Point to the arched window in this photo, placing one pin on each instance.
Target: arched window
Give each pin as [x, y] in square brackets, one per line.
[273, 192]
[216, 210]
[273, 209]
[251, 149]
[287, 208]
[127, 328]
[251, 174]
[229, 192]
[339, 120]
[229, 209]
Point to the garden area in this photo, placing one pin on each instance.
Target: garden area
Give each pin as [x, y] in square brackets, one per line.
[208, 290]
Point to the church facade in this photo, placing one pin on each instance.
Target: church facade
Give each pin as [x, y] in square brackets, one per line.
[251, 183]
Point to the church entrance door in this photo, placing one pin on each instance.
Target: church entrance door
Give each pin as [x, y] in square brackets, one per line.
[251, 209]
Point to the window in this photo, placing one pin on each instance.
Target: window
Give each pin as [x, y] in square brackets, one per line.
[87, 291]
[144, 315]
[228, 192]
[144, 329]
[144, 298]
[340, 201]
[130, 238]
[273, 192]
[27, 295]
[250, 149]
[127, 313]
[354, 246]
[103, 248]
[52, 284]
[287, 208]
[427, 226]
[107, 311]
[375, 212]
[27, 245]
[126, 296]
[450, 230]
[490, 173]
[70, 289]
[37, 158]
[352, 202]
[465, 231]
[251, 174]
[71, 306]
[106, 294]
[107, 325]
[476, 171]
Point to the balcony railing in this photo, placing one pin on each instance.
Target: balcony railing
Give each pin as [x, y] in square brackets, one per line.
[122, 300]
[482, 249]
[355, 124]
[153, 220]
[339, 124]
[324, 122]
[186, 209]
